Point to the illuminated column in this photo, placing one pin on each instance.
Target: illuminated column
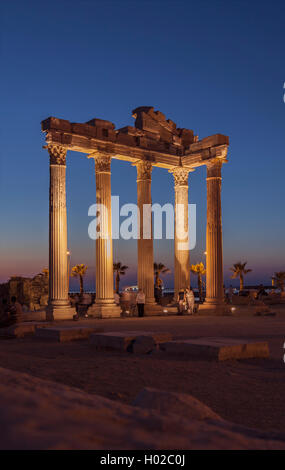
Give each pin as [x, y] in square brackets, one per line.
[104, 306]
[214, 242]
[145, 240]
[181, 237]
[58, 305]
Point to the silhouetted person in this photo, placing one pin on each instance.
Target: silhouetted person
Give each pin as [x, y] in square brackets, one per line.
[190, 301]
[181, 302]
[140, 299]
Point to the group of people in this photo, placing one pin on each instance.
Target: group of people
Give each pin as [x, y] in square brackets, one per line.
[10, 312]
[185, 302]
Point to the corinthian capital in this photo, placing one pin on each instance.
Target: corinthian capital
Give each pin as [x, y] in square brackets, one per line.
[57, 154]
[180, 175]
[103, 163]
[144, 169]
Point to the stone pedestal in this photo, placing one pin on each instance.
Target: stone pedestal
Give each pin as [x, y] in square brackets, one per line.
[145, 240]
[181, 237]
[214, 244]
[59, 307]
[104, 306]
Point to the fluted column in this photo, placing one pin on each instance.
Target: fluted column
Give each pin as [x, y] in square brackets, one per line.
[214, 242]
[181, 236]
[104, 306]
[58, 305]
[145, 241]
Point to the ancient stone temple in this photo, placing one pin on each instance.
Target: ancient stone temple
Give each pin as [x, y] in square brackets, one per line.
[153, 141]
[31, 292]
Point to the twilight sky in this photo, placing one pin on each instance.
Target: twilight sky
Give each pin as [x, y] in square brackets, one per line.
[211, 66]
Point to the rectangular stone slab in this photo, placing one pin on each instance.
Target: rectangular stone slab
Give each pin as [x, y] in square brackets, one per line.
[122, 341]
[19, 330]
[220, 349]
[64, 334]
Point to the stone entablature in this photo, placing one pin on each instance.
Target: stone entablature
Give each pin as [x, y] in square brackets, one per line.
[153, 138]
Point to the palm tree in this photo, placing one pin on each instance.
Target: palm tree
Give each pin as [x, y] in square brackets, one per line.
[79, 271]
[200, 271]
[159, 268]
[240, 271]
[120, 270]
[279, 278]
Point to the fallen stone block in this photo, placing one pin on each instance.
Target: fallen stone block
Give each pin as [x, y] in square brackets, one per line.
[124, 341]
[143, 345]
[19, 330]
[220, 349]
[64, 334]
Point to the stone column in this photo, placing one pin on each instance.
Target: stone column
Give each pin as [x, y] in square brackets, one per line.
[214, 242]
[181, 236]
[104, 306]
[145, 239]
[58, 305]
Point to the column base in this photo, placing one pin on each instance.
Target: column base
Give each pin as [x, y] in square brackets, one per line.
[214, 307]
[105, 310]
[60, 312]
[153, 309]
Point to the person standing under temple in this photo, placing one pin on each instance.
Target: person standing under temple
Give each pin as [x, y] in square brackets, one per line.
[140, 299]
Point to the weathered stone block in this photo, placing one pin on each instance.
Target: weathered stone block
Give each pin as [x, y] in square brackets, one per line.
[64, 334]
[143, 345]
[101, 123]
[213, 140]
[103, 133]
[220, 349]
[130, 130]
[18, 330]
[117, 340]
[124, 341]
[55, 123]
[84, 129]
[126, 139]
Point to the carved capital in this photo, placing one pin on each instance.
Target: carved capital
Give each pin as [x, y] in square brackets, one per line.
[180, 175]
[103, 164]
[144, 169]
[102, 161]
[57, 154]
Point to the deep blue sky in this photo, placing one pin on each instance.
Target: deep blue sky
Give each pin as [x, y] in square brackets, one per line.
[211, 66]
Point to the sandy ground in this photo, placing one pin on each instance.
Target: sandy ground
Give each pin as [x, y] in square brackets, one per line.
[249, 392]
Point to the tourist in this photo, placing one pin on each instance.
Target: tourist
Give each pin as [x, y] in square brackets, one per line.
[181, 302]
[140, 300]
[190, 301]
